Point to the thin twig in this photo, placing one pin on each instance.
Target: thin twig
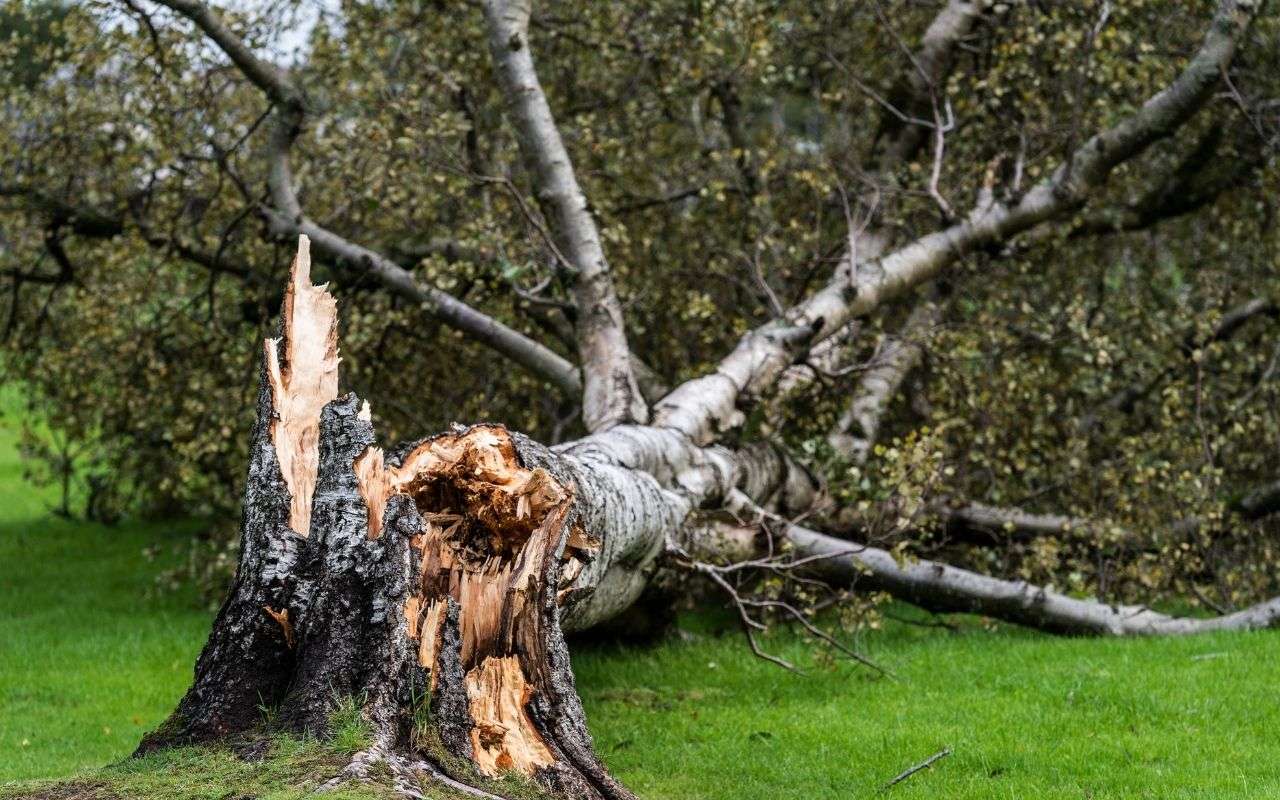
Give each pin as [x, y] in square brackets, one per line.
[907, 773]
[750, 625]
[529, 216]
[940, 131]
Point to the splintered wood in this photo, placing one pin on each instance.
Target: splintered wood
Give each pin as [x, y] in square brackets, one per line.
[302, 385]
[503, 738]
[282, 619]
[489, 526]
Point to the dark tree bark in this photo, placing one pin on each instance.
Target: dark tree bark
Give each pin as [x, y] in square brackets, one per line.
[248, 658]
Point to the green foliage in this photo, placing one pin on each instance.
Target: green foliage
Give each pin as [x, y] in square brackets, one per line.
[146, 364]
[31, 30]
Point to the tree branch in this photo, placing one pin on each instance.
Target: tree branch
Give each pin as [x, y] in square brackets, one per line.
[930, 66]
[611, 394]
[92, 223]
[1197, 180]
[942, 588]
[704, 406]
[275, 82]
[859, 425]
[287, 218]
[81, 220]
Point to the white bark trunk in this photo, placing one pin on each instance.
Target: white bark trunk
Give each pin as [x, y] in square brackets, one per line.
[943, 588]
[611, 395]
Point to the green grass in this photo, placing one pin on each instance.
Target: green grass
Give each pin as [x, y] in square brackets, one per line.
[348, 727]
[1027, 716]
[91, 656]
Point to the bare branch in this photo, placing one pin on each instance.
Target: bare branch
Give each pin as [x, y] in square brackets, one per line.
[535, 357]
[912, 770]
[273, 81]
[81, 220]
[288, 219]
[778, 565]
[942, 588]
[921, 86]
[859, 425]
[1197, 180]
[93, 223]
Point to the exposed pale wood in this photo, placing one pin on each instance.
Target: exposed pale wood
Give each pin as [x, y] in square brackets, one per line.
[484, 552]
[504, 737]
[375, 486]
[302, 385]
[282, 619]
[430, 635]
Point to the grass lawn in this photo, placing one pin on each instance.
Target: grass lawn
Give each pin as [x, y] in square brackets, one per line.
[91, 656]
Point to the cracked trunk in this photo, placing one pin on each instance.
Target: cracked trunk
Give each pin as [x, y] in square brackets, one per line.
[428, 583]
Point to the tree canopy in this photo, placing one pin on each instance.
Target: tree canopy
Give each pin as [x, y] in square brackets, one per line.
[1107, 375]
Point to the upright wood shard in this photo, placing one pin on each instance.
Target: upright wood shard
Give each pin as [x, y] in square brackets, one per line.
[375, 485]
[302, 385]
[251, 653]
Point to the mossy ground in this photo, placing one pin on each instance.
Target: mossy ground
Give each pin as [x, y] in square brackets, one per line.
[92, 656]
[289, 769]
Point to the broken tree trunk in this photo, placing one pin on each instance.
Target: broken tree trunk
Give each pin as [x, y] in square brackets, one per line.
[249, 655]
[431, 584]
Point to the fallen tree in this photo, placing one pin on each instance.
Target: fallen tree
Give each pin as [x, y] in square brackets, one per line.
[433, 581]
